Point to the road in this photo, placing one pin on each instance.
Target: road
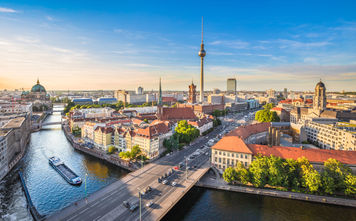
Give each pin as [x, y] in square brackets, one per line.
[107, 204]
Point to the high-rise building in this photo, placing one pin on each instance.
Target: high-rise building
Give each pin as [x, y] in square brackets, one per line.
[202, 54]
[231, 86]
[192, 94]
[285, 93]
[139, 90]
[271, 93]
[319, 103]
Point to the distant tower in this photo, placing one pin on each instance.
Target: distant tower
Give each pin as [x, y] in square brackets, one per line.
[192, 94]
[319, 103]
[231, 86]
[202, 54]
[160, 93]
[285, 93]
[159, 103]
[139, 90]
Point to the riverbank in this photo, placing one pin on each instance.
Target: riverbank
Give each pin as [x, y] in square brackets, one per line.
[113, 159]
[217, 183]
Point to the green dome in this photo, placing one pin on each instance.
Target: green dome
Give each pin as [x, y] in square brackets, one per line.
[38, 88]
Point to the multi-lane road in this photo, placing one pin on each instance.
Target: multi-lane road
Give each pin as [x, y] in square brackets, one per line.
[107, 203]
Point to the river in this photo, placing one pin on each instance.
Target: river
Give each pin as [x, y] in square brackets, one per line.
[50, 192]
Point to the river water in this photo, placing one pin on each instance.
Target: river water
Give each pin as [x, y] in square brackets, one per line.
[50, 192]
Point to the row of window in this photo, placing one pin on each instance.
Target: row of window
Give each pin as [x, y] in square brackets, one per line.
[237, 155]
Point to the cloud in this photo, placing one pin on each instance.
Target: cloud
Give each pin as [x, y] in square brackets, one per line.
[49, 18]
[7, 10]
[131, 34]
[220, 53]
[285, 43]
[236, 44]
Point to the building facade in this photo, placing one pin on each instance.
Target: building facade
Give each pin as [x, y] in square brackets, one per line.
[192, 95]
[336, 136]
[231, 85]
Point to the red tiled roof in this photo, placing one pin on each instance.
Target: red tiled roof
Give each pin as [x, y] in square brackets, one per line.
[286, 101]
[246, 131]
[309, 101]
[233, 144]
[104, 129]
[136, 121]
[313, 155]
[277, 109]
[153, 130]
[168, 99]
[200, 122]
[178, 113]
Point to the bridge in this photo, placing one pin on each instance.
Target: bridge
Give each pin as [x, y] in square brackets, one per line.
[39, 126]
[107, 203]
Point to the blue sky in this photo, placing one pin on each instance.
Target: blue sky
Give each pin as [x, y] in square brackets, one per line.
[125, 44]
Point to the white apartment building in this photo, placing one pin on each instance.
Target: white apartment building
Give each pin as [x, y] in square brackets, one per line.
[3, 157]
[331, 135]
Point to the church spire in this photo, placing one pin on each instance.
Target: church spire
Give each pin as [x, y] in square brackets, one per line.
[38, 80]
[160, 93]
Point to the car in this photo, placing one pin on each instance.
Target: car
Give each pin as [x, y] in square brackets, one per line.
[149, 204]
[159, 180]
[142, 192]
[126, 204]
[174, 183]
[165, 181]
[148, 189]
[133, 207]
[176, 167]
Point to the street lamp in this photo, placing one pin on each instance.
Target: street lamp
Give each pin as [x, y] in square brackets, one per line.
[139, 195]
[186, 169]
[86, 198]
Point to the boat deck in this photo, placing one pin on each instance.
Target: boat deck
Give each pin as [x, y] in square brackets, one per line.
[66, 171]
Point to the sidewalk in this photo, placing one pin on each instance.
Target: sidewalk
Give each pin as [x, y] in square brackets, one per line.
[213, 183]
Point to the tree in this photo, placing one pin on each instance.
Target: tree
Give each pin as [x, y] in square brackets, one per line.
[134, 154]
[276, 171]
[266, 115]
[145, 120]
[350, 184]
[293, 170]
[242, 173]
[259, 171]
[310, 178]
[111, 149]
[334, 175]
[230, 175]
[186, 132]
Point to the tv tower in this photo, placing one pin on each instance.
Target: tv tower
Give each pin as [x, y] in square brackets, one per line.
[202, 54]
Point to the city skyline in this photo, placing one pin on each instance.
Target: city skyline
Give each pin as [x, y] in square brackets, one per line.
[90, 46]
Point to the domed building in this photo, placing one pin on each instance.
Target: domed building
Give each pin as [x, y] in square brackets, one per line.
[38, 96]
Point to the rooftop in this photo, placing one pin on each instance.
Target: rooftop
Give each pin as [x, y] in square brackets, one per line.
[313, 155]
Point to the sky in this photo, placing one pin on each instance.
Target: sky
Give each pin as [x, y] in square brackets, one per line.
[79, 45]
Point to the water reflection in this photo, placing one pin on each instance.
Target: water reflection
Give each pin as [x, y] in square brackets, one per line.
[97, 169]
[207, 204]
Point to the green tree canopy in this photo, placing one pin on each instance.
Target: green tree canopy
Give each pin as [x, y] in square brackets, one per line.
[334, 176]
[186, 132]
[259, 171]
[266, 115]
[242, 173]
[230, 175]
